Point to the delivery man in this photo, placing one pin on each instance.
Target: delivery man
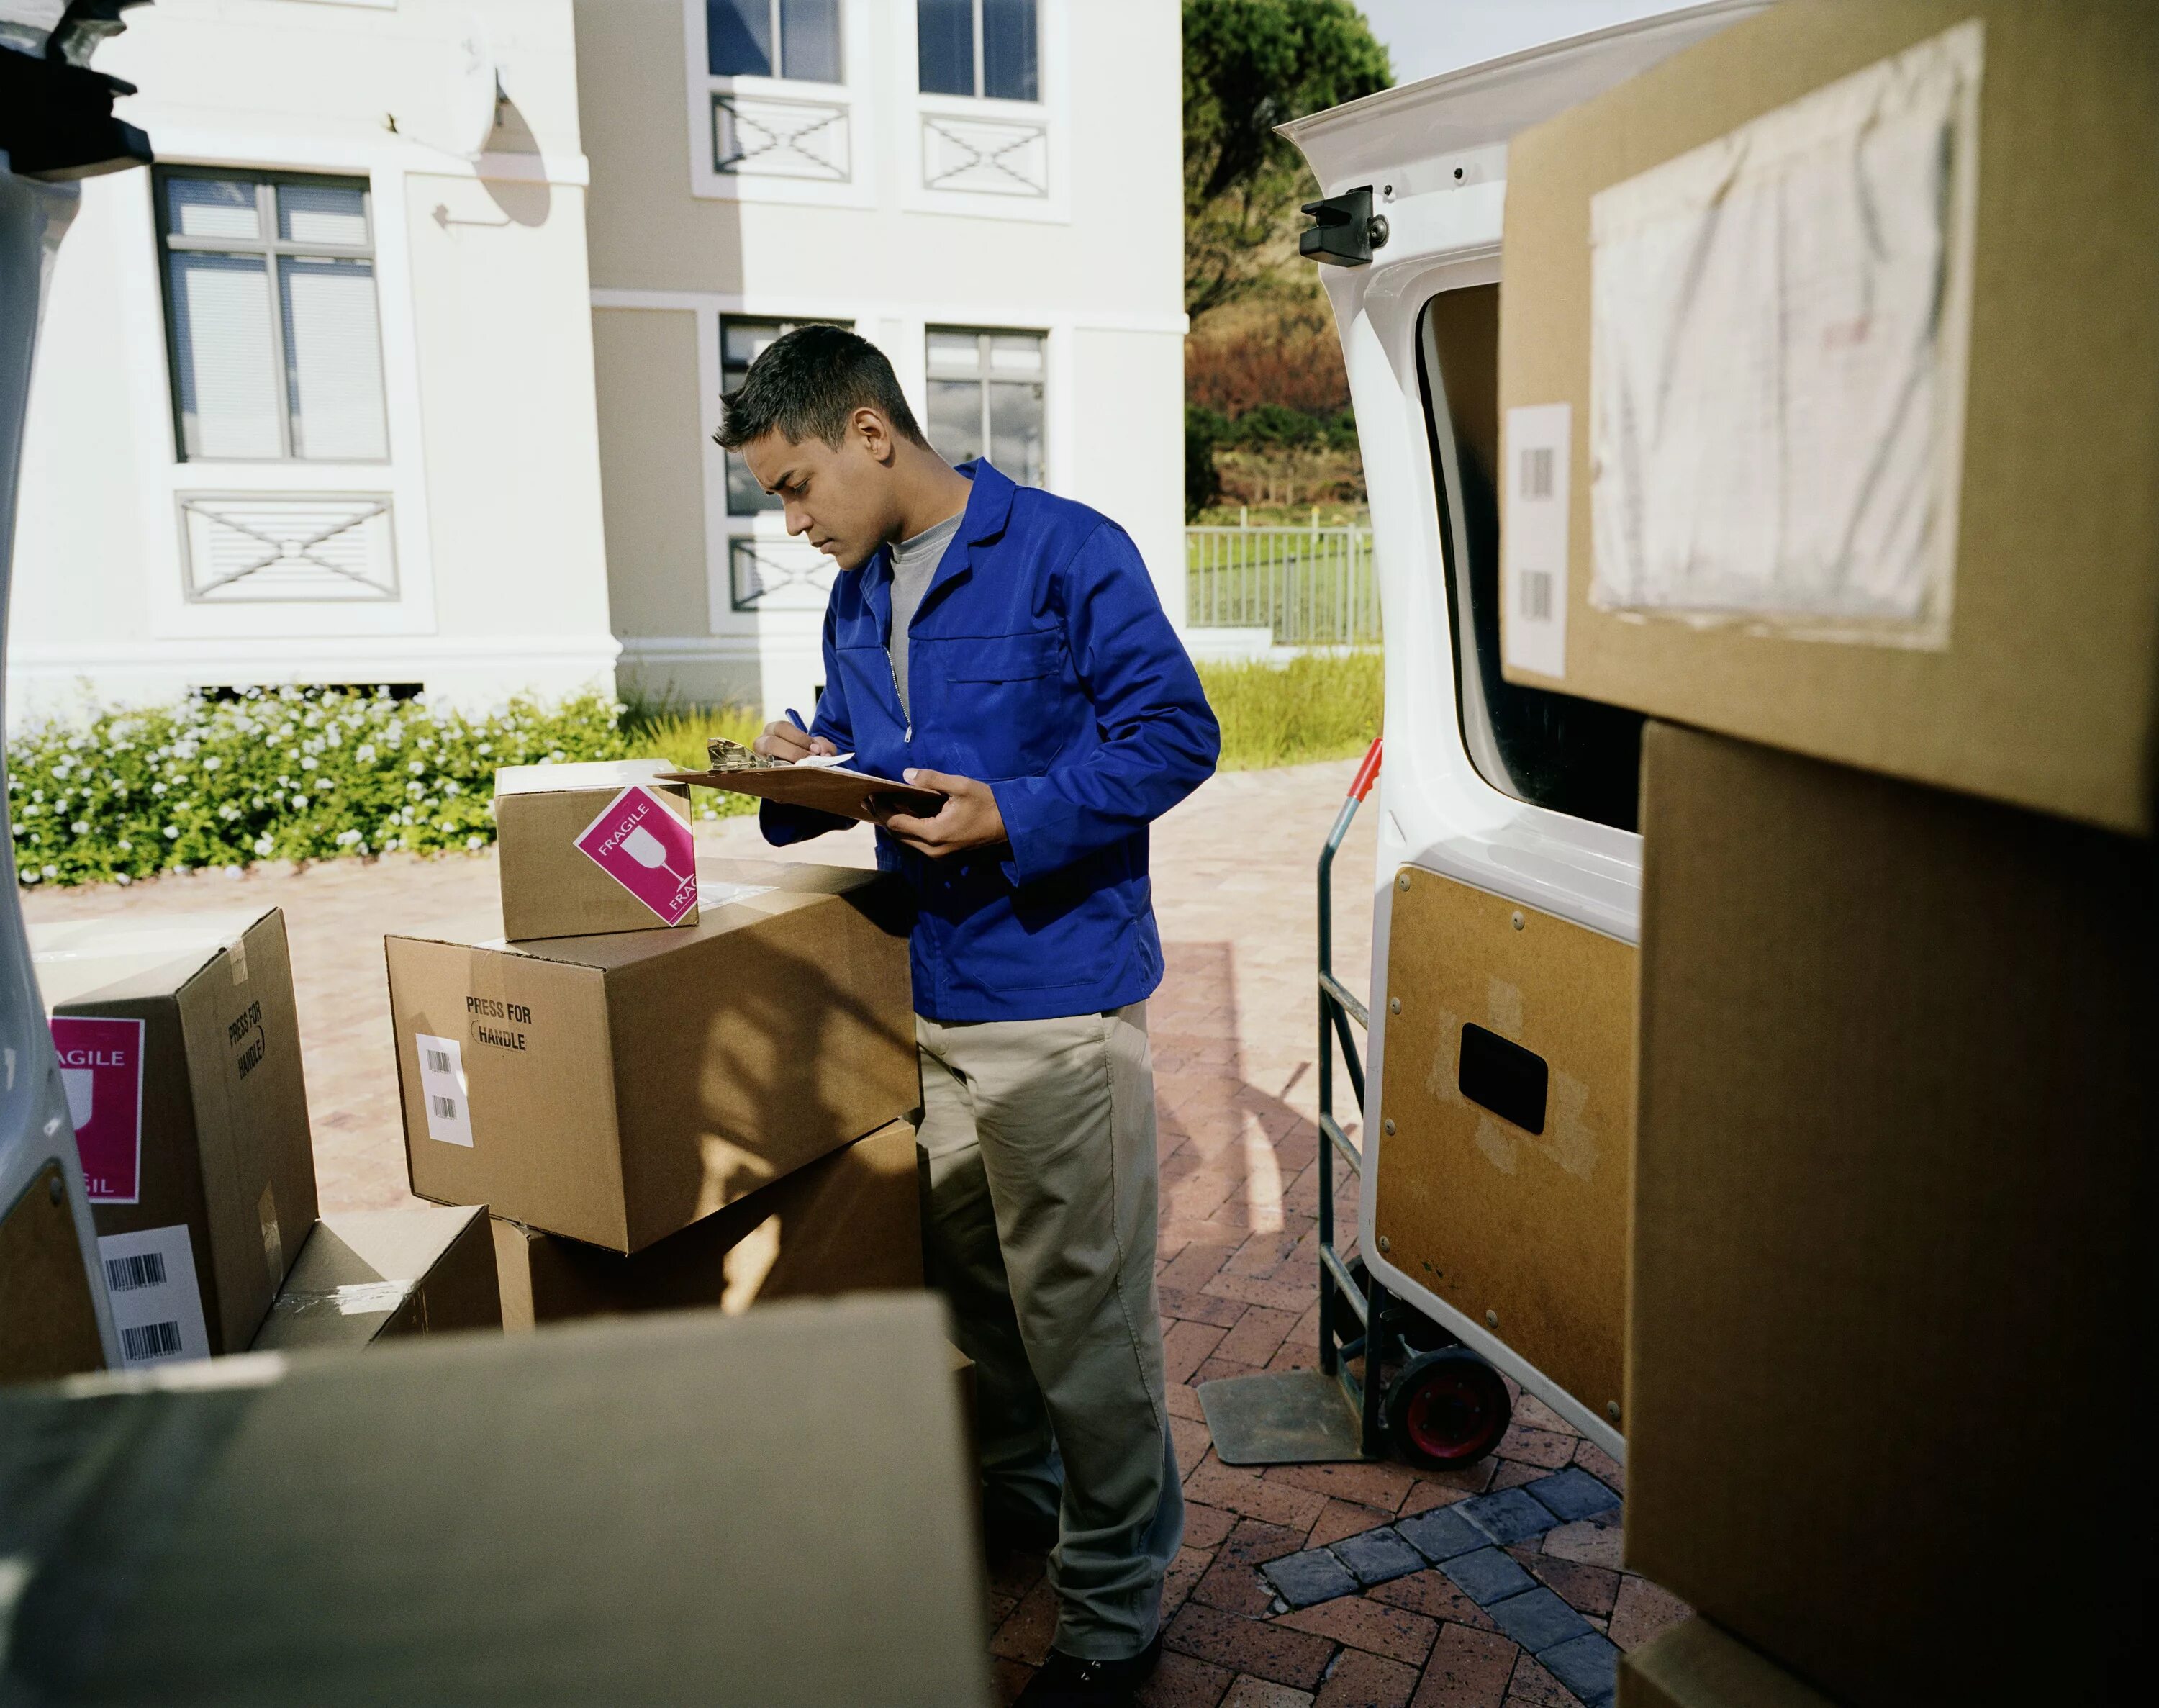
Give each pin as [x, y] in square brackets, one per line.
[1006, 648]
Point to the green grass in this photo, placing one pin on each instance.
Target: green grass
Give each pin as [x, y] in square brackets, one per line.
[1319, 707]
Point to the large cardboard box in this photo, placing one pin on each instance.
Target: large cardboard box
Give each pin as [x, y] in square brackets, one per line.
[1891, 1243]
[1829, 404]
[1693, 1664]
[365, 1275]
[180, 1047]
[614, 1088]
[848, 1222]
[571, 858]
[770, 1511]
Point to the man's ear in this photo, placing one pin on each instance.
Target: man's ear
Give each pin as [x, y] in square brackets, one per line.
[874, 431]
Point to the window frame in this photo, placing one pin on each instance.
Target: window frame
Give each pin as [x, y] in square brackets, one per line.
[985, 378]
[851, 101]
[273, 249]
[776, 9]
[785, 323]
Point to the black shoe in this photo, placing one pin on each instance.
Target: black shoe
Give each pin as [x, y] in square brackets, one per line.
[1066, 1681]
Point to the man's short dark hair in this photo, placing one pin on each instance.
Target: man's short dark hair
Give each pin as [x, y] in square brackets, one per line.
[807, 382]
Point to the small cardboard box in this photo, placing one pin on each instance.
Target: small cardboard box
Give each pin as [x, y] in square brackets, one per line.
[1825, 367]
[614, 1088]
[365, 1275]
[593, 847]
[180, 1047]
[770, 1509]
[848, 1222]
[1693, 1664]
[1891, 1230]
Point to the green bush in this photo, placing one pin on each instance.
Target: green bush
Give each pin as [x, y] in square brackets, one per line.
[1320, 705]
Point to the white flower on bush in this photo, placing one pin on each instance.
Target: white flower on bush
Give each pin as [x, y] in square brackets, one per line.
[158, 788]
[475, 841]
[346, 838]
[80, 827]
[310, 763]
[123, 845]
[364, 754]
[171, 833]
[264, 844]
[212, 763]
[416, 768]
[299, 803]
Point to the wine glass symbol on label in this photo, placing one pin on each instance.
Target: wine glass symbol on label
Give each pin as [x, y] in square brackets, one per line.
[644, 843]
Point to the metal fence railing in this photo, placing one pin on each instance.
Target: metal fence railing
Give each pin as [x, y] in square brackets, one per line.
[1311, 587]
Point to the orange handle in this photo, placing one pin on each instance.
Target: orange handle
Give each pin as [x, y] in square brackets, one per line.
[1367, 773]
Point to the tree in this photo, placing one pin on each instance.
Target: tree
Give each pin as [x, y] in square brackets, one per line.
[1250, 65]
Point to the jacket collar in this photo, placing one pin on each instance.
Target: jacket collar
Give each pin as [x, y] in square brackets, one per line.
[988, 511]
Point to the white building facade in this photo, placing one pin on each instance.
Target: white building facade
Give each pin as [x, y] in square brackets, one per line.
[403, 365]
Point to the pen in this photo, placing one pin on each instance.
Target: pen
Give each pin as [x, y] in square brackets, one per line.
[795, 718]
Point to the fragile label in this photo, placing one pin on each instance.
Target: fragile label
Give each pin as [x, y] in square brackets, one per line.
[102, 1067]
[156, 1302]
[1533, 542]
[640, 843]
[442, 1090]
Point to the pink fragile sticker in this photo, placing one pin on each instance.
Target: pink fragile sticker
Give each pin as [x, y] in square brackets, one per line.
[640, 843]
[102, 1068]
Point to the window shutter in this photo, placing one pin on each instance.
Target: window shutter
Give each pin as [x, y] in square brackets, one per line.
[221, 337]
[334, 360]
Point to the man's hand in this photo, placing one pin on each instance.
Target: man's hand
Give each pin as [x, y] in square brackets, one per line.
[969, 819]
[784, 740]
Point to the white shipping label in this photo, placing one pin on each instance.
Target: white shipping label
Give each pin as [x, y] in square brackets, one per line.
[1779, 323]
[442, 1090]
[1533, 539]
[157, 1301]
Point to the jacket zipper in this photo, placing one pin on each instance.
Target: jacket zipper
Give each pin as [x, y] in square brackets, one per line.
[892, 670]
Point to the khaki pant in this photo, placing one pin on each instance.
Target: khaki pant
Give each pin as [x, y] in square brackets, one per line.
[1038, 1146]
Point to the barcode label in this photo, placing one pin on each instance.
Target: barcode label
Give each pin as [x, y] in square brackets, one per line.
[444, 1096]
[1533, 539]
[157, 1304]
[1536, 594]
[146, 1268]
[149, 1340]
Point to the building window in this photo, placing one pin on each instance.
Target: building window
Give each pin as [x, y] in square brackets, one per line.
[743, 340]
[986, 399]
[271, 317]
[982, 48]
[792, 38]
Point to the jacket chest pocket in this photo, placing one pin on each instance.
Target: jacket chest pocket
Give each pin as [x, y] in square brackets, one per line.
[1007, 704]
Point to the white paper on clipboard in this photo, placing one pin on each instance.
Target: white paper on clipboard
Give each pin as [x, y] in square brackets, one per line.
[1780, 322]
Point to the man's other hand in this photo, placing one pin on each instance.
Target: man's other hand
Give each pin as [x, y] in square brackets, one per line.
[784, 740]
[969, 819]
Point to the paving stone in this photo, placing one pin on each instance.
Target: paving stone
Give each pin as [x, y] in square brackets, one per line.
[1431, 1594]
[1235, 1589]
[1248, 1646]
[1468, 1670]
[1026, 1633]
[1377, 1556]
[1572, 1493]
[1362, 1680]
[1314, 1576]
[1513, 1474]
[1008, 1678]
[1254, 1543]
[1588, 1666]
[1510, 1515]
[1248, 1495]
[1376, 1484]
[1182, 1682]
[1441, 1535]
[1369, 1625]
[1643, 1610]
[1249, 1692]
[1588, 1589]
[1533, 1687]
[1601, 1465]
[1185, 1571]
[1537, 1619]
[1426, 1496]
[1206, 1526]
[1588, 1543]
[1487, 1576]
[1341, 1519]
[1537, 1446]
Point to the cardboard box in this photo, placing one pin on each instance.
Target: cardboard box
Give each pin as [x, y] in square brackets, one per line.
[848, 1222]
[365, 1275]
[771, 1510]
[571, 859]
[1886, 503]
[1890, 1245]
[1693, 1664]
[614, 1088]
[180, 1046]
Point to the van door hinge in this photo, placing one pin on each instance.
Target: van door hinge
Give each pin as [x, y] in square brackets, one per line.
[1344, 231]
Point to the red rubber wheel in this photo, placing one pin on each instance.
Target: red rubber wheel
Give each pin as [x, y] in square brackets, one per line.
[1446, 1409]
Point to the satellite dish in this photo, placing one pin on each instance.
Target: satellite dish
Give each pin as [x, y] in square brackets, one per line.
[475, 91]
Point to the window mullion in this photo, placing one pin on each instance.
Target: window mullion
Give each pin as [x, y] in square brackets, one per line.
[981, 83]
[266, 208]
[779, 46]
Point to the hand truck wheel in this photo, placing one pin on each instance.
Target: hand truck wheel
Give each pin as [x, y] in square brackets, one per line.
[1446, 1409]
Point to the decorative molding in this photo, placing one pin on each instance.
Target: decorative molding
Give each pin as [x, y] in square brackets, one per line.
[942, 312]
[755, 136]
[253, 548]
[990, 157]
[776, 575]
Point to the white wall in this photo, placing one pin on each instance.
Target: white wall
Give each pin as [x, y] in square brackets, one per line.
[483, 296]
[1095, 263]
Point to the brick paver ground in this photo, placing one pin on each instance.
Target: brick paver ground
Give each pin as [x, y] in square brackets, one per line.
[1234, 1032]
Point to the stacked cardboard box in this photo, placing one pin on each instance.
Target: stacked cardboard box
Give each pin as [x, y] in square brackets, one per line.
[369, 1276]
[704, 1111]
[1837, 327]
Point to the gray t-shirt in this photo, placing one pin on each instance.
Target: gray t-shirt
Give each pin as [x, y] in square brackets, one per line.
[914, 563]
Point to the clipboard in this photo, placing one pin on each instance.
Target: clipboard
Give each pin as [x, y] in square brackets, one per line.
[833, 788]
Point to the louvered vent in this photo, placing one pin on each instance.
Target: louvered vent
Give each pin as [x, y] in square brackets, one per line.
[335, 548]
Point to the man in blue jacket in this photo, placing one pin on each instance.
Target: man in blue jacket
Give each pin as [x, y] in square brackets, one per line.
[1006, 648]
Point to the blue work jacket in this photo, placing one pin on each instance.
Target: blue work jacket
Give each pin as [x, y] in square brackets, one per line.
[1039, 662]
